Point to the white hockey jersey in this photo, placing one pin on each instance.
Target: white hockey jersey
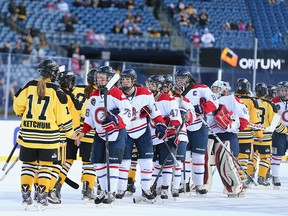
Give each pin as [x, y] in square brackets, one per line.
[140, 98]
[185, 104]
[282, 107]
[201, 95]
[168, 106]
[240, 115]
[94, 115]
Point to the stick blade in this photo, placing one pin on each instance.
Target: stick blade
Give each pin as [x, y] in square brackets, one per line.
[113, 81]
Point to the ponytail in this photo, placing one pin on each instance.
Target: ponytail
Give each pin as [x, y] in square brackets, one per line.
[88, 90]
[41, 87]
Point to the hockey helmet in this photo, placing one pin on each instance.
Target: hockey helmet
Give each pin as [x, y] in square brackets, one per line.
[91, 76]
[219, 88]
[243, 86]
[66, 79]
[261, 90]
[271, 91]
[49, 68]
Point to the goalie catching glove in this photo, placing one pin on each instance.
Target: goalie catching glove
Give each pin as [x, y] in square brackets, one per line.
[110, 123]
[224, 118]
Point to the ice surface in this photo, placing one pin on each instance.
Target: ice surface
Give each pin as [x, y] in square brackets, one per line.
[257, 201]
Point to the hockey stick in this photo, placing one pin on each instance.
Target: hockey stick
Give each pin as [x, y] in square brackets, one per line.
[9, 157]
[166, 144]
[71, 183]
[227, 150]
[11, 166]
[109, 85]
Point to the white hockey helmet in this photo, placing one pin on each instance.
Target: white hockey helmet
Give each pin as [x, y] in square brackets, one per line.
[219, 88]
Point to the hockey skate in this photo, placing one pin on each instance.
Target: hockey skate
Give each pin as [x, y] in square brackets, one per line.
[130, 187]
[26, 195]
[263, 182]
[247, 183]
[164, 192]
[100, 197]
[147, 196]
[42, 201]
[109, 198]
[88, 193]
[187, 189]
[52, 197]
[57, 188]
[120, 194]
[238, 195]
[175, 193]
[276, 182]
[200, 191]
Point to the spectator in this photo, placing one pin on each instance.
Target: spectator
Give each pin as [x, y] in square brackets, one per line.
[116, 28]
[129, 17]
[90, 36]
[5, 48]
[181, 5]
[234, 25]
[165, 32]
[250, 27]
[196, 39]
[13, 14]
[226, 26]
[154, 33]
[184, 18]
[135, 30]
[100, 38]
[192, 14]
[37, 54]
[203, 18]
[86, 3]
[120, 4]
[241, 26]
[70, 50]
[14, 86]
[62, 6]
[207, 38]
[18, 48]
[77, 3]
[22, 14]
[77, 60]
[69, 27]
[49, 6]
[94, 3]
[129, 4]
[138, 18]
[125, 28]
[28, 49]
[43, 40]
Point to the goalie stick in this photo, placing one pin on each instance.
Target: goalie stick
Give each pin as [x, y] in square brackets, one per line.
[224, 147]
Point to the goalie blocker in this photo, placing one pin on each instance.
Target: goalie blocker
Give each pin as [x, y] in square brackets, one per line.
[217, 155]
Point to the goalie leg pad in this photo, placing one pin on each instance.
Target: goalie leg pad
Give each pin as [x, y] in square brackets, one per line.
[227, 170]
[209, 162]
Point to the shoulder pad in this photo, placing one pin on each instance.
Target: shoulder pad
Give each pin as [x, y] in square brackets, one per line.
[30, 83]
[275, 108]
[61, 96]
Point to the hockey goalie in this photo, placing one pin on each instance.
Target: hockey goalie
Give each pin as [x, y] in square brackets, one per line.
[231, 116]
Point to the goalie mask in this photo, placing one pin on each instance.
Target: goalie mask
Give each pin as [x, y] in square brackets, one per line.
[128, 79]
[102, 76]
[261, 90]
[48, 68]
[155, 83]
[282, 90]
[219, 88]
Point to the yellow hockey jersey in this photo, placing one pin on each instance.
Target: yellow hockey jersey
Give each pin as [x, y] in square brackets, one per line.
[74, 106]
[78, 91]
[254, 113]
[267, 113]
[43, 120]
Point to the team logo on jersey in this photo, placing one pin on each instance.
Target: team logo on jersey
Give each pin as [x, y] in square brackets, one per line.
[93, 101]
[54, 155]
[278, 107]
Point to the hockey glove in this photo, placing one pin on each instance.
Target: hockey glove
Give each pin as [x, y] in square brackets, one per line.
[110, 123]
[198, 109]
[114, 111]
[166, 120]
[173, 140]
[161, 130]
[144, 112]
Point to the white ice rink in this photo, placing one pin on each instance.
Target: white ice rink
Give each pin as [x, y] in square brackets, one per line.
[257, 201]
